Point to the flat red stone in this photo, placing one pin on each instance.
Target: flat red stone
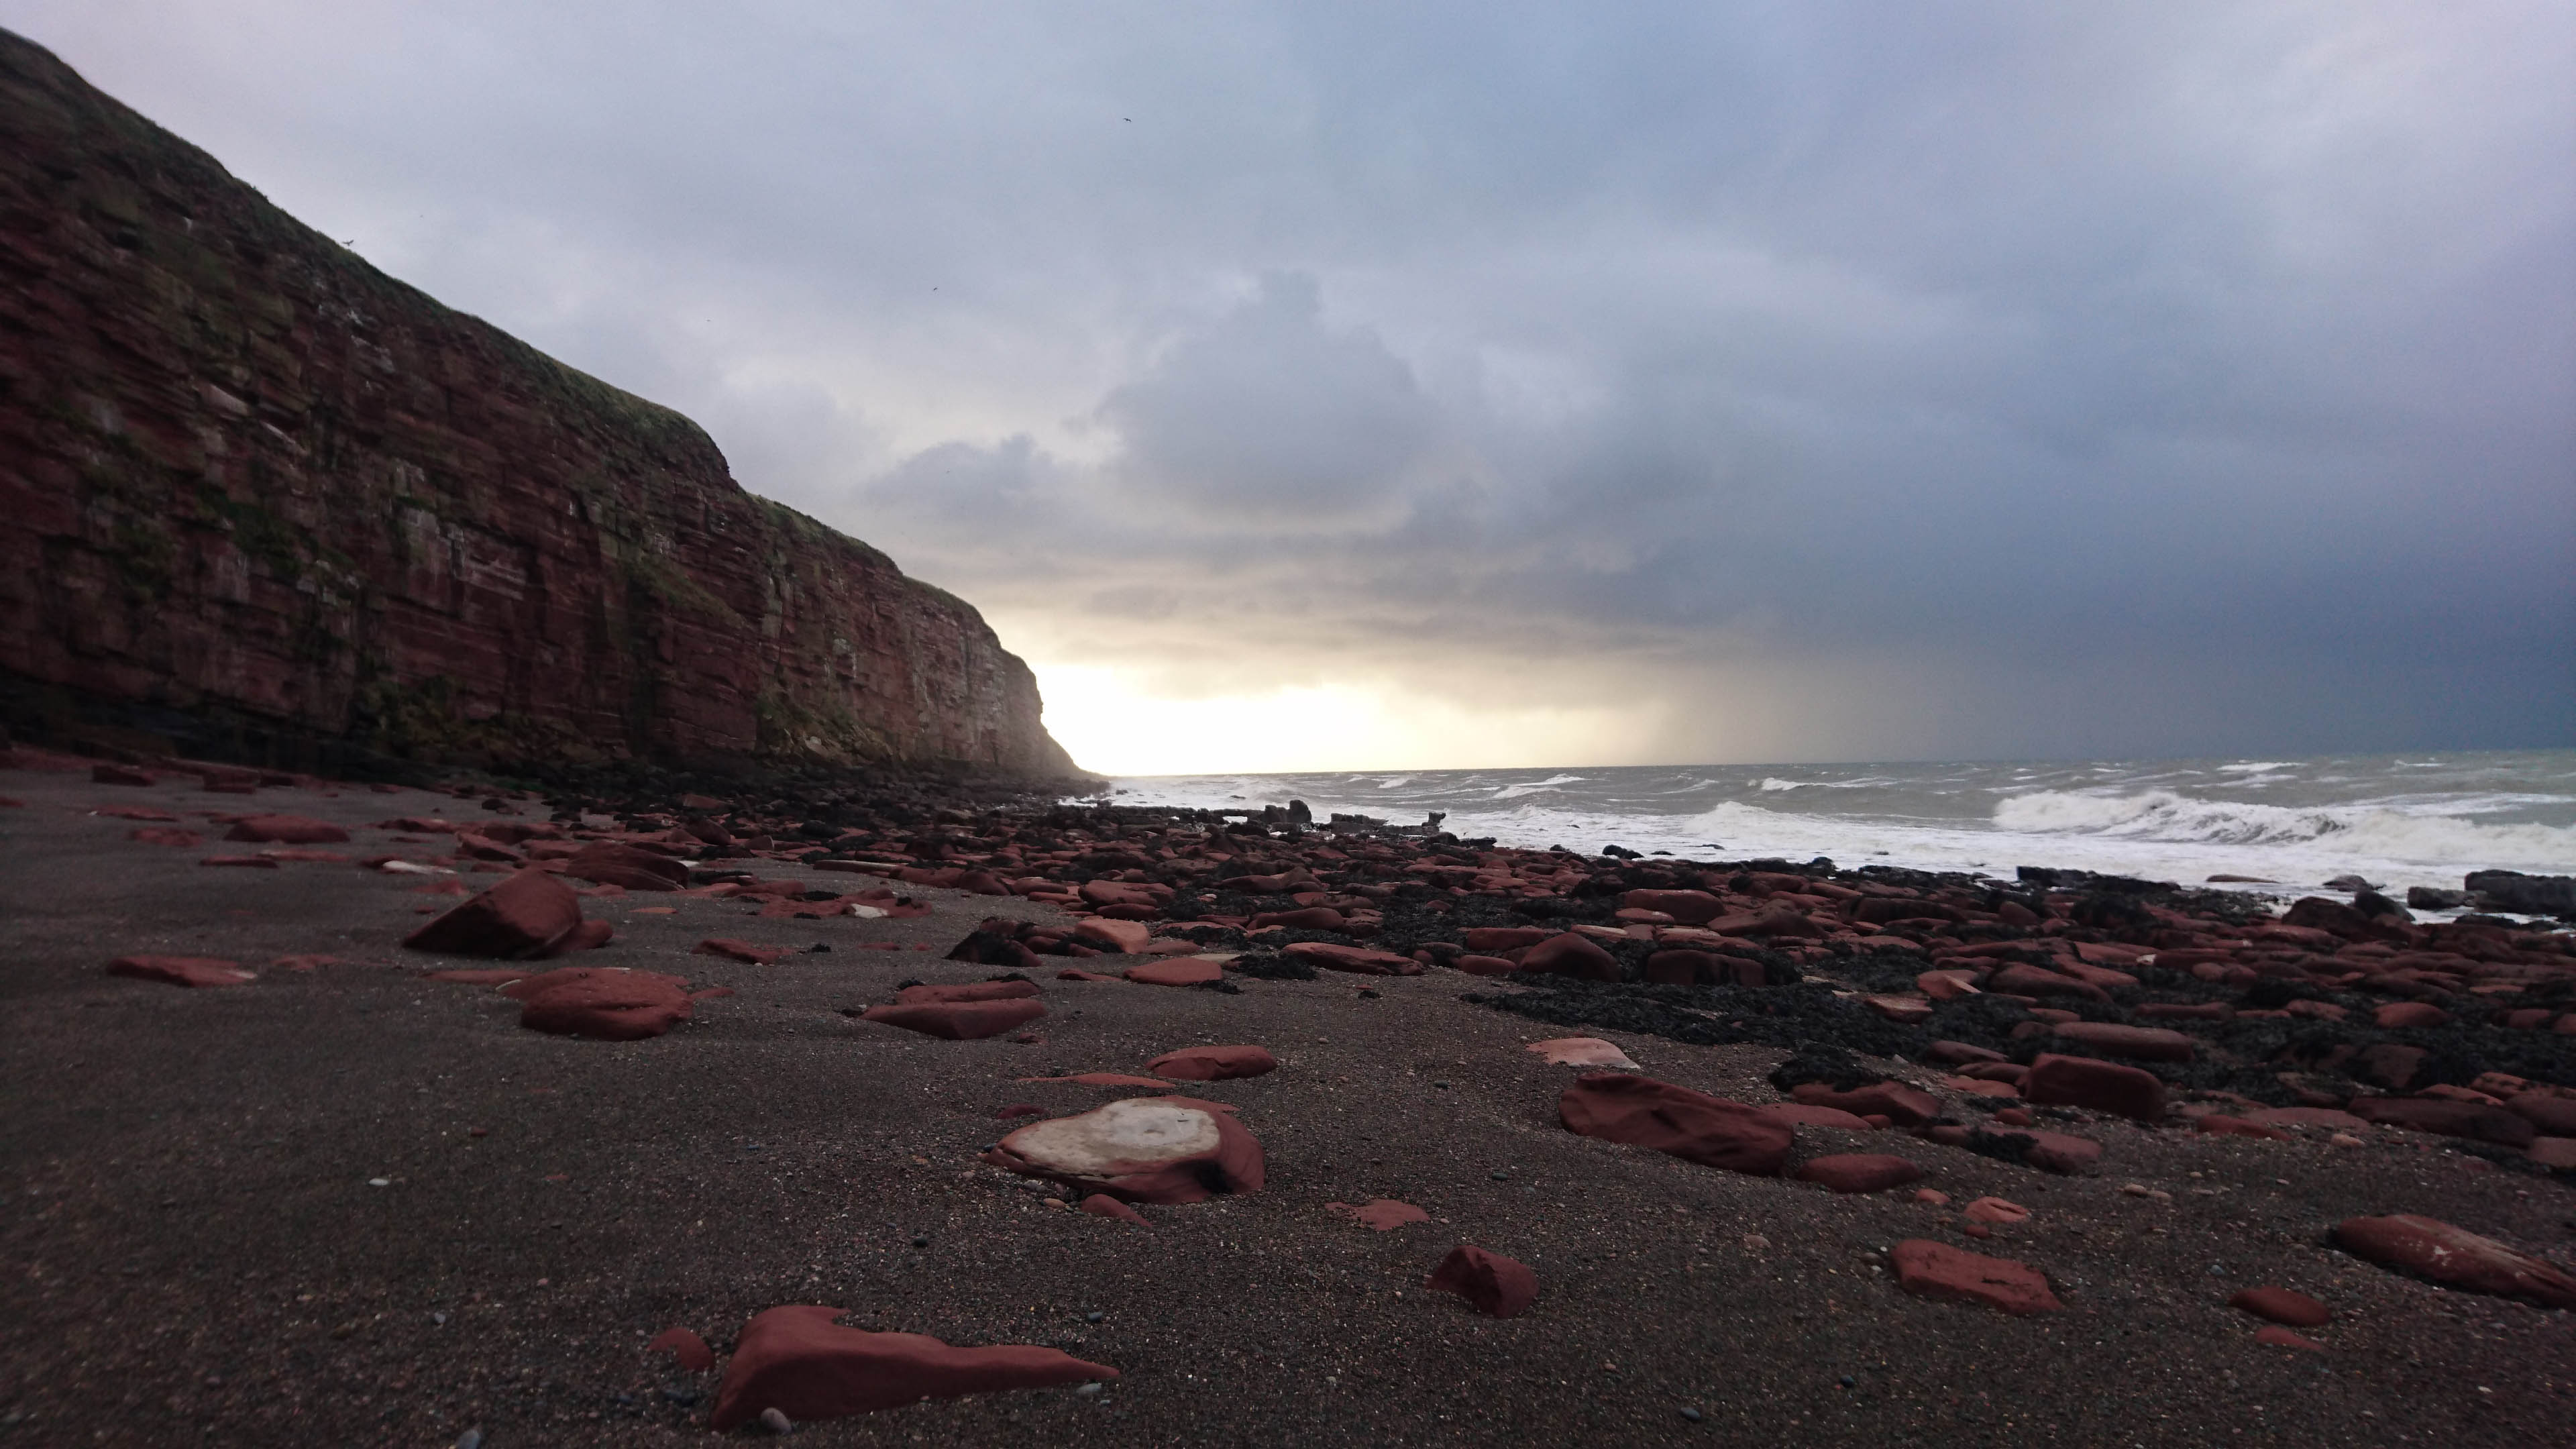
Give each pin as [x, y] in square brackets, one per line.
[743, 951]
[1805, 1115]
[286, 830]
[2280, 1305]
[1213, 1063]
[1497, 1286]
[1895, 1101]
[1693, 1126]
[798, 1361]
[520, 916]
[2099, 1086]
[2281, 1337]
[1937, 1270]
[1358, 960]
[2136, 1043]
[959, 1020]
[1175, 972]
[1102, 1205]
[2456, 1258]
[181, 970]
[967, 991]
[1996, 1210]
[1858, 1171]
[602, 1003]
[1382, 1213]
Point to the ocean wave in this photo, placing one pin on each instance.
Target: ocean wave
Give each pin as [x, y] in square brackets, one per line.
[1774, 783]
[2163, 815]
[1514, 792]
[2257, 767]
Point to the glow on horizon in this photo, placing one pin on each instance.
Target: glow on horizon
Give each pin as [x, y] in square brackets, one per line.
[1115, 724]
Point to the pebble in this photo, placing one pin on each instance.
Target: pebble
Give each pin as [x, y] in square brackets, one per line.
[470, 1439]
[1691, 1414]
[776, 1422]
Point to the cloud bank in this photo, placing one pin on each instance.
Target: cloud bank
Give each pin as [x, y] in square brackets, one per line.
[1318, 385]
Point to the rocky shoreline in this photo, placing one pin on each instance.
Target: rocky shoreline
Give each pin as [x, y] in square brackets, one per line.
[1105, 1123]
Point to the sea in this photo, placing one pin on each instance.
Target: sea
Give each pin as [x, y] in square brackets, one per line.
[2293, 824]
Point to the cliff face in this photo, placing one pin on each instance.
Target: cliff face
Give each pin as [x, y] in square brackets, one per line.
[243, 472]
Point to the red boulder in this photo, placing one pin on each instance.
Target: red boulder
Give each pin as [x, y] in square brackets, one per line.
[1571, 955]
[1497, 1286]
[1694, 1126]
[608, 863]
[2455, 1258]
[603, 1003]
[1177, 971]
[2096, 1085]
[2471, 1120]
[520, 917]
[1858, 1171]
[1937, 1270]
[798, 1361]
[1897, 1102]
[2135, 1043]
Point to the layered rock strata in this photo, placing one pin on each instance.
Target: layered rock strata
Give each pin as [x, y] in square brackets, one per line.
[246, 477]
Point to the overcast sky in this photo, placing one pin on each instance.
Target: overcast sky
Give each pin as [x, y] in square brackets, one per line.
[1311, 385]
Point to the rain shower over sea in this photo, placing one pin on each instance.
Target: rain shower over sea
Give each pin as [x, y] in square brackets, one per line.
[2399, 820]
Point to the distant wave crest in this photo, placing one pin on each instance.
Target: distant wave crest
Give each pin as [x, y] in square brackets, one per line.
[2165, 815]
[1514, 792]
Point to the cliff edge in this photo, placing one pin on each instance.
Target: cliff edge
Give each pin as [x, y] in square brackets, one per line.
[248, 481]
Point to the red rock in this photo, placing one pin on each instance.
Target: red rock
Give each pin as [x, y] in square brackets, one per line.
[1691, 908]
[601, 1002]
[1017, 1110]
[2220, 1125]
[303, 963]
[1504, 938]
[1946, 985]
[519, 917]
[1581, 1051]
[2135, 1043]
[1858, 1171]
[286, 830]
[1643, 1112]
[2450, 1119]
[1142, 1149]
[1497, 1286]
[2095, 1085]
[2283, 1338]
[2280, 1305]
[1482, 965]
[605, 862]
[588, 936]
[1070, 974]
[121, 775]
[2552, 1116]
[1307, 918]
[2557, 1153]
[2408, 1013]
[1959, 1053]
[2305, 1117]
[798, 1361]
[2022, 980]
[1175, 971]
[743, 951]
[181, 970]
[2011, 1116]
[1996, 1210]
[1895, 1101]
[1358, 960]
[477, 976]
[1212, 1063]
[1118, 938]
[2455, 1258]
[1102, 1205]
[1381, 1213]
[254, 862]
[162, 835]
[686, 1349]
[967, 991]
[959, 1020]
[1937, 1270]
[1802, 1115]
[1932, 1195]
[1571, 955]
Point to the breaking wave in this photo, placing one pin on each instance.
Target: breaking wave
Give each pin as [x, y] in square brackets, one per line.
[2164, 815]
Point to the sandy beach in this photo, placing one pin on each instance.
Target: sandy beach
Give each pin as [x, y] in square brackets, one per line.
[351, 1204]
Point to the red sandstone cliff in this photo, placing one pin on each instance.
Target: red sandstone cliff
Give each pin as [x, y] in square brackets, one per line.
[243, 473]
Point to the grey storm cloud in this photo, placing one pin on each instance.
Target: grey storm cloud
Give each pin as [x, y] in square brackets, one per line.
[1834, 379]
